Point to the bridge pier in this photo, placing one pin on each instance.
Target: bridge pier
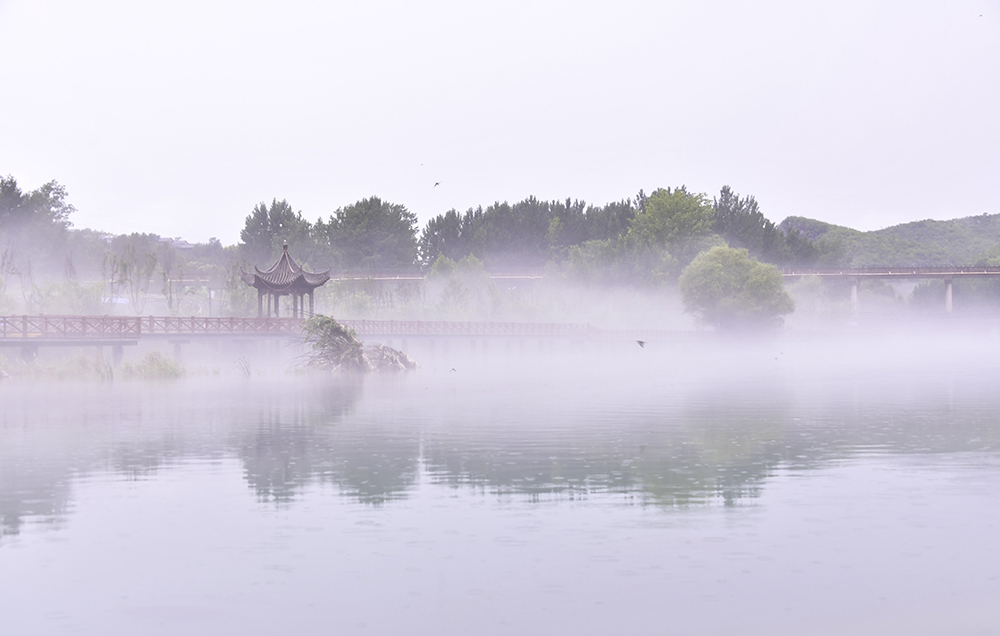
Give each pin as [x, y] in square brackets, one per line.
[29, 352]
[947, 295]
[855, 284]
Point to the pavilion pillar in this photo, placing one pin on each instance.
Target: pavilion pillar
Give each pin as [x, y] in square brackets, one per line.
[277, 304]
[260, 303]
[311, 313]
[947, 295]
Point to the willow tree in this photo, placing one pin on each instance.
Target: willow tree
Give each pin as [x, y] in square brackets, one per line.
[727, 289]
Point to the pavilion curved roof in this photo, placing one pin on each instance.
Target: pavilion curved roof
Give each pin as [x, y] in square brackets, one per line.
[285, 276]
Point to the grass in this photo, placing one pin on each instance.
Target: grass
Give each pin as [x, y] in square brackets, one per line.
[153, 366]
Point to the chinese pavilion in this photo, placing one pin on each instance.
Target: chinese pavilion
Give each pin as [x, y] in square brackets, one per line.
[285, 278]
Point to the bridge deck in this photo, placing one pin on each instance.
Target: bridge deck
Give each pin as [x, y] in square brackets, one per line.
[894, 272]
[35, 329]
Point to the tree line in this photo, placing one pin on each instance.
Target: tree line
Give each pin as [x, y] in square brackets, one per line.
[637, 239]
[645, 240]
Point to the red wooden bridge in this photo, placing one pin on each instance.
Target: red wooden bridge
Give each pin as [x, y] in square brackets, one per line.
[83, 330]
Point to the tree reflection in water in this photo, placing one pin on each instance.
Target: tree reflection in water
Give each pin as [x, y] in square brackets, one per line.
[665, 441]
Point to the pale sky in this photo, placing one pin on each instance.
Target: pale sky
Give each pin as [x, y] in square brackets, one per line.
[178, 117]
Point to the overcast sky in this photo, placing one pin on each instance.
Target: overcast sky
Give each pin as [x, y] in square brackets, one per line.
[178, 117]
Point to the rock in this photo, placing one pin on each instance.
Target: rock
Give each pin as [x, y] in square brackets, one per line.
[383, 358]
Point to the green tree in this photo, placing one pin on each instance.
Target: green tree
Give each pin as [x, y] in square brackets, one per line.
[443, 236]
[527, 233]
[740, 222]
[268, 227]
[129, 266]
[45, 206]
[670, 218]
[372, 234]
[34, 229]
[725, 288]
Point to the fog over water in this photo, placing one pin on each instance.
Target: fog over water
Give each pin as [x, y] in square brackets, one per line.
[673, 444]
[797, 484]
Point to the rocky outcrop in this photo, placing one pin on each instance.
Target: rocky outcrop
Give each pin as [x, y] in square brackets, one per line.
[383, 358]
[337, 348]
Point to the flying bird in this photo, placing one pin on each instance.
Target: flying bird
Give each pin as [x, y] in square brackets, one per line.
[437, 183]
[642, 343]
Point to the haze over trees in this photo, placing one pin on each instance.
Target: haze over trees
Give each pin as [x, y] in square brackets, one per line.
[47, 266]
[268, 227]
[643, 243]
[726, 288]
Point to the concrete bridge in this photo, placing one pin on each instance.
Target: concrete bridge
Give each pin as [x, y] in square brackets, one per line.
[857, 274]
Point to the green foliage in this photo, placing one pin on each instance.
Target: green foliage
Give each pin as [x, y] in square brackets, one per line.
[460, 288]
[526, 233]
[442, 267]
[443, 236]
[36, 210]
[71, 297]
[333, 346]
[237, 298]
[267, 228]
[725, 288]
[153, 366]
[671, 227]
[616, 262]
[740, 222]
[371, 234]
[925, 243]
[129, 266]
[597, 261]
[670, 218]
[33, 235]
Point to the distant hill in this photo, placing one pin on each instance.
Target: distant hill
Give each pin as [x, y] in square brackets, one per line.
[919, 243]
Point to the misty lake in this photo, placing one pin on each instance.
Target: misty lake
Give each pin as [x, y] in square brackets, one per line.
[796, 486]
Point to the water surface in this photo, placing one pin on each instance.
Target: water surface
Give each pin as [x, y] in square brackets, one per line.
[697, 488]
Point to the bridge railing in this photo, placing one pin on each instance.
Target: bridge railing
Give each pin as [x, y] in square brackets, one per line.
[195, 325]
[69, 327]
[895, 272]
[416, 274]
[125, 327]
[445, 328]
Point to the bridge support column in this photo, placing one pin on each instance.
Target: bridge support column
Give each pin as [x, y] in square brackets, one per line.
[855, 283]
[947, 295]
[117, 353]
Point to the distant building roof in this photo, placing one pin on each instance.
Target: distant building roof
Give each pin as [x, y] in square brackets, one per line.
[285, 277]
[177, 243]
